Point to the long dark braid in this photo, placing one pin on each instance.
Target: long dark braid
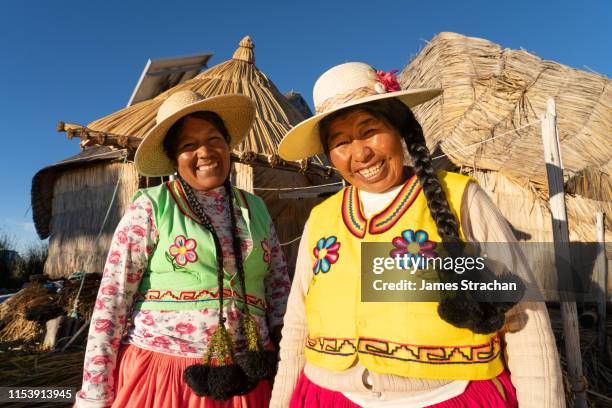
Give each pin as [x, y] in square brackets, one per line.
[227, 379]
[236, 244]
[194, 203]
[251, 366]
[460, 309]
[256, 362]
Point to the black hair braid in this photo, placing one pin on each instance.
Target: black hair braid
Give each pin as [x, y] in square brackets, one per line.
[236, 244]
[256, 362]
[227, 379]
[459, 308]
[199, 212]
[446, 222]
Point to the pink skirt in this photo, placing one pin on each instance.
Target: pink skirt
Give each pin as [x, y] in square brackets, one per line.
[147, 379]
[478, 394]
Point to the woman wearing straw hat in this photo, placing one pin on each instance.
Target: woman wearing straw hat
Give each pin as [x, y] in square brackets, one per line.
[196, 264]
[340, 351]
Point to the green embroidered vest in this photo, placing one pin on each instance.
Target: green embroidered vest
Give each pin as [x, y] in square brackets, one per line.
[182, 271]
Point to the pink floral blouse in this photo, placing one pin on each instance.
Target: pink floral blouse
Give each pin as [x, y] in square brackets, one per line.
[178, 333]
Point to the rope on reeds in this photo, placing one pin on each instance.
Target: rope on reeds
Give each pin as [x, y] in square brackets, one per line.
[489, 139]
[75, 305]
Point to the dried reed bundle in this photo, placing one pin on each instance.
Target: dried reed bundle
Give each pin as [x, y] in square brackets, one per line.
[43, 370]
[21, 330]
[76, 222]
[489, 90]
[528, 214]
[12, 312]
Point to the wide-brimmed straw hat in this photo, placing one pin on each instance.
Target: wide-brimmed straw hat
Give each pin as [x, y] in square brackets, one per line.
[345, 85]
[236, 111]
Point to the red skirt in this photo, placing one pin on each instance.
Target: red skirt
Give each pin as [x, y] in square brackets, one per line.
[478, 394]
[147, 379]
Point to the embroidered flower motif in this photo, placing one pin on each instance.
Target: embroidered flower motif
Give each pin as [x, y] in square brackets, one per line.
[386, 82]
[183, 250]
[415, 245]
[326, 253]
[267, 255]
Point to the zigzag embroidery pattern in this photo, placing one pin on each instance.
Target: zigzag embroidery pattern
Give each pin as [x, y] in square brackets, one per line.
[470, 354]
[203, 295]
[338, 347]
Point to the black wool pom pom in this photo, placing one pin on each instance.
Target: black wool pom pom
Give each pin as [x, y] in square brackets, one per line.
[491, 321]
[196, 377]
[459, 310]
[226, 381]
[258, 365]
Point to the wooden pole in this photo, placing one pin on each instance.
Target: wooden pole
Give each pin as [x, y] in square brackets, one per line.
[601, 268]
[554, 172]
[74, 337]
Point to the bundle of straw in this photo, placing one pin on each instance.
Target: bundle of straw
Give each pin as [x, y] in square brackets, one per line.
[12, 314]
[43, 370]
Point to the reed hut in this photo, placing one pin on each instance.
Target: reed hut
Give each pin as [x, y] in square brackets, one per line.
[257, 167]
[69, 205]
[500, 94]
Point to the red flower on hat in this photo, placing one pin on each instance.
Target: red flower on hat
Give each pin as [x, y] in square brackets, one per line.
[388, 80]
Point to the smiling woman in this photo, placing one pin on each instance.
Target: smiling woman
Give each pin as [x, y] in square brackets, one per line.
[365, 149]
[340, 351]
[196, 265]
[198, 144]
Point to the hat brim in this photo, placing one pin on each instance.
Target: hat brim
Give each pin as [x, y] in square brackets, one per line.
[303, 140]
[237, 112]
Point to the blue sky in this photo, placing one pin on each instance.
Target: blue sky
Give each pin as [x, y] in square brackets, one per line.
[77, 61]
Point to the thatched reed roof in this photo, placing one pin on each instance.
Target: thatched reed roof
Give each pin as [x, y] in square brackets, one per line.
[274, 116]
[44, 181]
[489, 90]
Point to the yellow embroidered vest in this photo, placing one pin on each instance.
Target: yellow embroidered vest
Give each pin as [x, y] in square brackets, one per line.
[401, 338]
